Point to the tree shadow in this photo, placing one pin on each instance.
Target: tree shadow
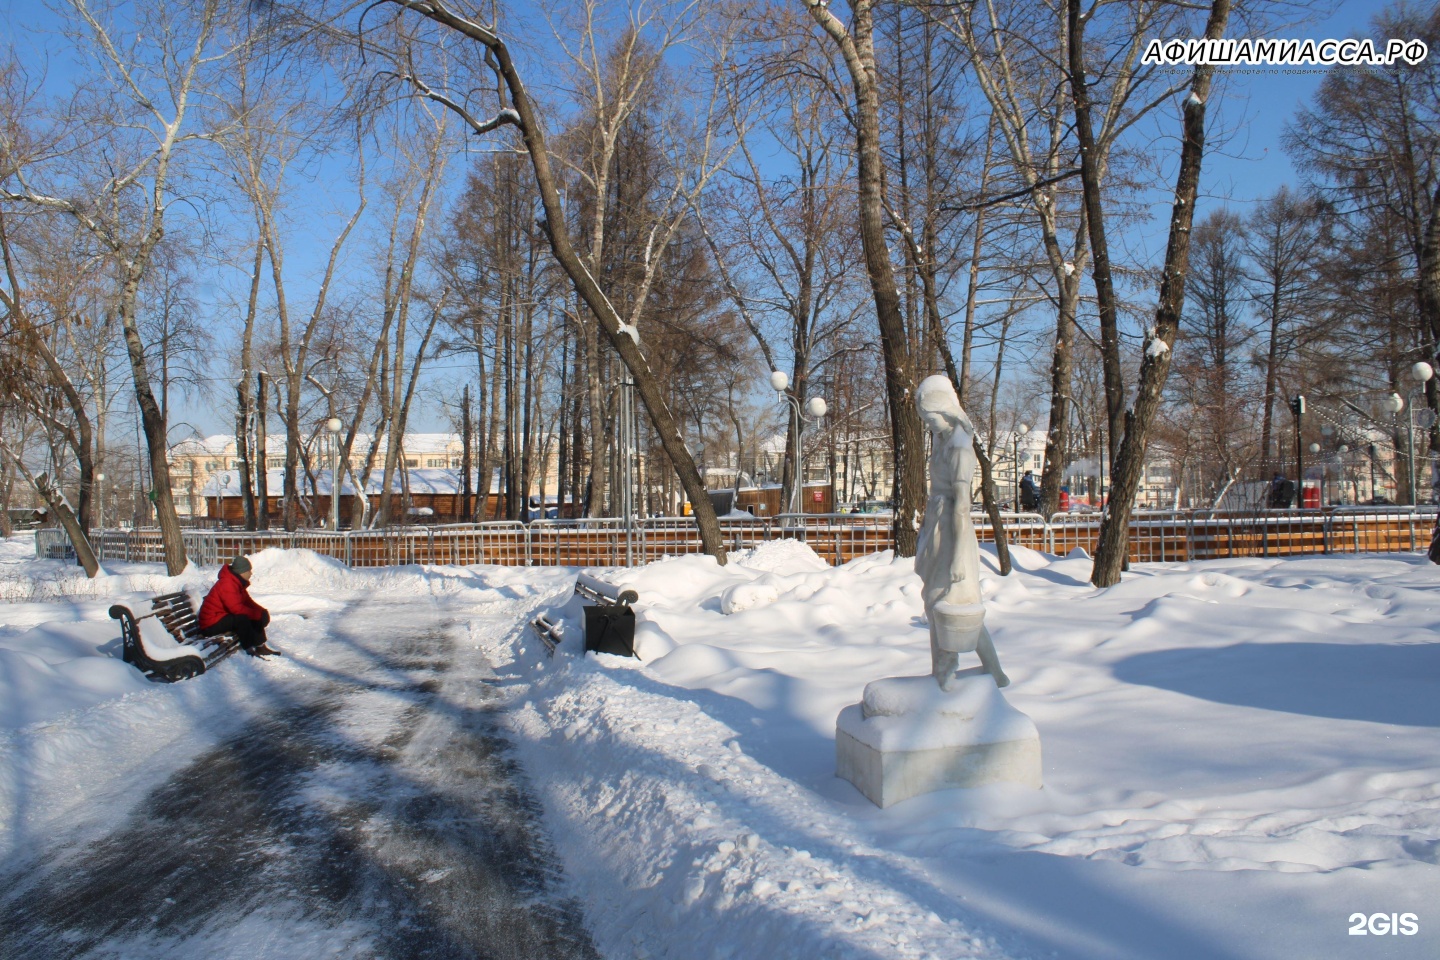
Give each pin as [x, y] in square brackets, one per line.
[1044, 904]
[1379, 683]
[300, 821]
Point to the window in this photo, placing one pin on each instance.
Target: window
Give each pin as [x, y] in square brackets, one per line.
[412, 463]
[275, 463]
[433, 462]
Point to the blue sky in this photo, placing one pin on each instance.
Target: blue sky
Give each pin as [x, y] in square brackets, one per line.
[1250, 162]
[1245, 161]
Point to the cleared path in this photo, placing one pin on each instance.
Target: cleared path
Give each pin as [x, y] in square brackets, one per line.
[373, 813]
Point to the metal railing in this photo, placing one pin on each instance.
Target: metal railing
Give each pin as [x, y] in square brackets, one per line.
[1155, 536]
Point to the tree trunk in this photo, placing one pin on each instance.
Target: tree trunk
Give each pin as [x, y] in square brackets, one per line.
[463, 514]
[55, 500]
[1128, 466]
[647, 383]
[1090, 177]
[907, 435]
[262, 458]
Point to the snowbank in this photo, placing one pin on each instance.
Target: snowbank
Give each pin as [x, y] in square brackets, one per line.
[1238, 754]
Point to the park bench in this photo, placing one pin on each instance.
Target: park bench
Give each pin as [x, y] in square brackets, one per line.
[609, 620]
[192, 653]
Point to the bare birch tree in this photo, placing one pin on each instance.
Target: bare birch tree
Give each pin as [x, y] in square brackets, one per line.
[155, 64]
[1129, 460]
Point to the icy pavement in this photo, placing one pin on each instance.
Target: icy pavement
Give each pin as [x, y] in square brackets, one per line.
[368, 810]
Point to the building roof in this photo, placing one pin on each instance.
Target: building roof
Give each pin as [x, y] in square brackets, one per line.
[427, 480]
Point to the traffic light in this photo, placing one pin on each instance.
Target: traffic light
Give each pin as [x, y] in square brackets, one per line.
[1297, 405]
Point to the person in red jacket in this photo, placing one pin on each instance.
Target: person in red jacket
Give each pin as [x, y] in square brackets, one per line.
[229, 609]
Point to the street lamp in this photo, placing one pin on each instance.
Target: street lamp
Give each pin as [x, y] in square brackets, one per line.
[1020, 431]
[100, 501]
[1420, 372]
[1342, 470]
[333, 426]
[816, 408]
[224, 481]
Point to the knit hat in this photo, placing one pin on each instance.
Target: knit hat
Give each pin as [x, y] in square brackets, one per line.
[240, 565]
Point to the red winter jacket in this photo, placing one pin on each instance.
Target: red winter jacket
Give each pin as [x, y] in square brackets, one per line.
[229, 595]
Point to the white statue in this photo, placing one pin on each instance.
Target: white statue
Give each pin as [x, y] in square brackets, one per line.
[948, 556]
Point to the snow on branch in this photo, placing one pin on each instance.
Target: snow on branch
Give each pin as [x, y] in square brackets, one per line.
[505, 116]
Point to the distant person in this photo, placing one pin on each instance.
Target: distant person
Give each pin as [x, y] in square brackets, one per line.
[1029, 493]
[1282, 492]
[229, 609]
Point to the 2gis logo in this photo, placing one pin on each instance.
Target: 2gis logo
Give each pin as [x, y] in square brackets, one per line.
[1381, 924]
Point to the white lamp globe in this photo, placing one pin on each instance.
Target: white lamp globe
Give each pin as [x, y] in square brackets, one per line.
[333, 424]
[1421, 372]
[1024, 428]
[817, 406]
[1394, 403]
[779, 381]
[1314, 448]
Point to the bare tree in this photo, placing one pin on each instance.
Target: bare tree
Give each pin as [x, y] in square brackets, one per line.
[1129, 461]
[155, 67]
[518, 109]
[1209, 360]
[1280, 240]
[856, 45]
[790, 231]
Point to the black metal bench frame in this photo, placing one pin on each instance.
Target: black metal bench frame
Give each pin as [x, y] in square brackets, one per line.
[177, 615]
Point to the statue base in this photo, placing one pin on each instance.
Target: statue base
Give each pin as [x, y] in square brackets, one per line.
[909, 737]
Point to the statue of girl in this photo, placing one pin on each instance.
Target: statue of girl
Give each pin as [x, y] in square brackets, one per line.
[947, 558]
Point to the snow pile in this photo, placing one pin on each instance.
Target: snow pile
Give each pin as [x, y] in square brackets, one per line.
[748, 596]
[1229, 746]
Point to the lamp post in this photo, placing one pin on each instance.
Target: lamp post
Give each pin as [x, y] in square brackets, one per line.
[1297, 407]
[223, 482]
[1393, 404]
[1343, 470]
[100, 501]
[1315, 454]
[332, 426]
[1020, 431]
[817, 408]
[1327, 432]
[1420, 372]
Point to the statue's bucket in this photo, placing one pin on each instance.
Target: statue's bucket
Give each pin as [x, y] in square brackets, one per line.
[958, 625]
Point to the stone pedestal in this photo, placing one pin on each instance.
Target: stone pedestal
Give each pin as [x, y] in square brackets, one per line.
[909, 737]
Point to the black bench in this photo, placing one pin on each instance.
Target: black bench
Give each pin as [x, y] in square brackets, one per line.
[174, 611]
[609, 621]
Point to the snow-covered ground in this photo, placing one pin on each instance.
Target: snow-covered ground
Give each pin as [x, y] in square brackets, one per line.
[1239, 755]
